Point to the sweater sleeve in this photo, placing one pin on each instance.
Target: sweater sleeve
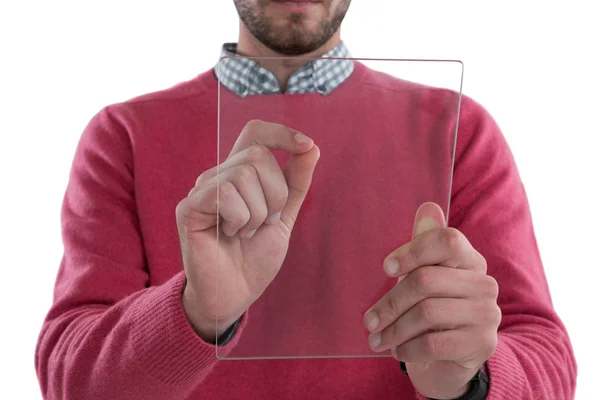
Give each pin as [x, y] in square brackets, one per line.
[109, 334]
[534, 358]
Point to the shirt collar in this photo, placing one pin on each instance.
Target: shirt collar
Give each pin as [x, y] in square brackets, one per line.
[244, 76]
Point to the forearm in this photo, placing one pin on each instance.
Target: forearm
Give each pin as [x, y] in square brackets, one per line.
[532, 361]
[141, 347]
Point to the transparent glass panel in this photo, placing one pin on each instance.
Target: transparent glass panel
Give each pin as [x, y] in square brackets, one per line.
[386, 137]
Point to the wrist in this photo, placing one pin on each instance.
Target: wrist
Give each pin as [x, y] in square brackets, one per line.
[479, 386]
[476, 389]
[208, 329]
[463, 391]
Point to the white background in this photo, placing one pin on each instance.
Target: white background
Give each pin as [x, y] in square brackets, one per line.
[533, 65]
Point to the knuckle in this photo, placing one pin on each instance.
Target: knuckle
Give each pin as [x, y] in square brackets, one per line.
[257, 152]
[482, 313]
[389, 310]
[486, 314]
[252, 125]
[496, 314]
[203, 177]
[245, 174]
[181, 209]
[225, 188]
[182, 215]
[492, 344]
[491, 287]
[483, 262]
[488, 345]
[428, 311]
[423, 281]
[415, 250]
[452, 238]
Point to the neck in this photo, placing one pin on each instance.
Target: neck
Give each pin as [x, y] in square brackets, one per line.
[282, 68]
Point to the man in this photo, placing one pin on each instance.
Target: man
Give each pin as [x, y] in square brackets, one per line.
[129, 322]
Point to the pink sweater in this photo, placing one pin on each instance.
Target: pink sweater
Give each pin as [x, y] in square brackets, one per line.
[117, 329]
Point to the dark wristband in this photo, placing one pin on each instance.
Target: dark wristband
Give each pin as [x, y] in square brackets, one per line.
[226, 336]
[480, 385]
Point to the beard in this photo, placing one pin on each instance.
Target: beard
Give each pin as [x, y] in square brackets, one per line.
[292, 37]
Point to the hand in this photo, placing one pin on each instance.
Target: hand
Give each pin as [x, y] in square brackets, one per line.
[441, 318]
[258, 205]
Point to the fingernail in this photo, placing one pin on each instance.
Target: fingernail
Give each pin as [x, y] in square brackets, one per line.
[273, 219]
[372, 321]
[391, 266]
[375, 340]
[425, 225]
[302, 139]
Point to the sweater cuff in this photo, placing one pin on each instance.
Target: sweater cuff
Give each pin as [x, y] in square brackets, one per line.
[507, 378]
[164, 341]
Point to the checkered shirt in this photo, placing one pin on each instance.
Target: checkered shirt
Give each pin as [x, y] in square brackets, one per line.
[245, 76]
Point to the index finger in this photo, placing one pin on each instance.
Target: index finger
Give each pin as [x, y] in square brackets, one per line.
[424, 283]
[272, 135]
[446, 247]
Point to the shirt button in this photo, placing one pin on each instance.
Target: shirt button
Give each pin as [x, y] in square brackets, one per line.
[242, 88]
[322, 88]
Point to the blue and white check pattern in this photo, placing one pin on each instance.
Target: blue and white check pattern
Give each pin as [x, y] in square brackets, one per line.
[245, 76]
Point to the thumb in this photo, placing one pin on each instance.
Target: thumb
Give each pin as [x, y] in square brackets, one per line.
[429, 217]
[298, 174]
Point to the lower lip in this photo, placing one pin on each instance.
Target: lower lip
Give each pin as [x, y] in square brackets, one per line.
[297, 6]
